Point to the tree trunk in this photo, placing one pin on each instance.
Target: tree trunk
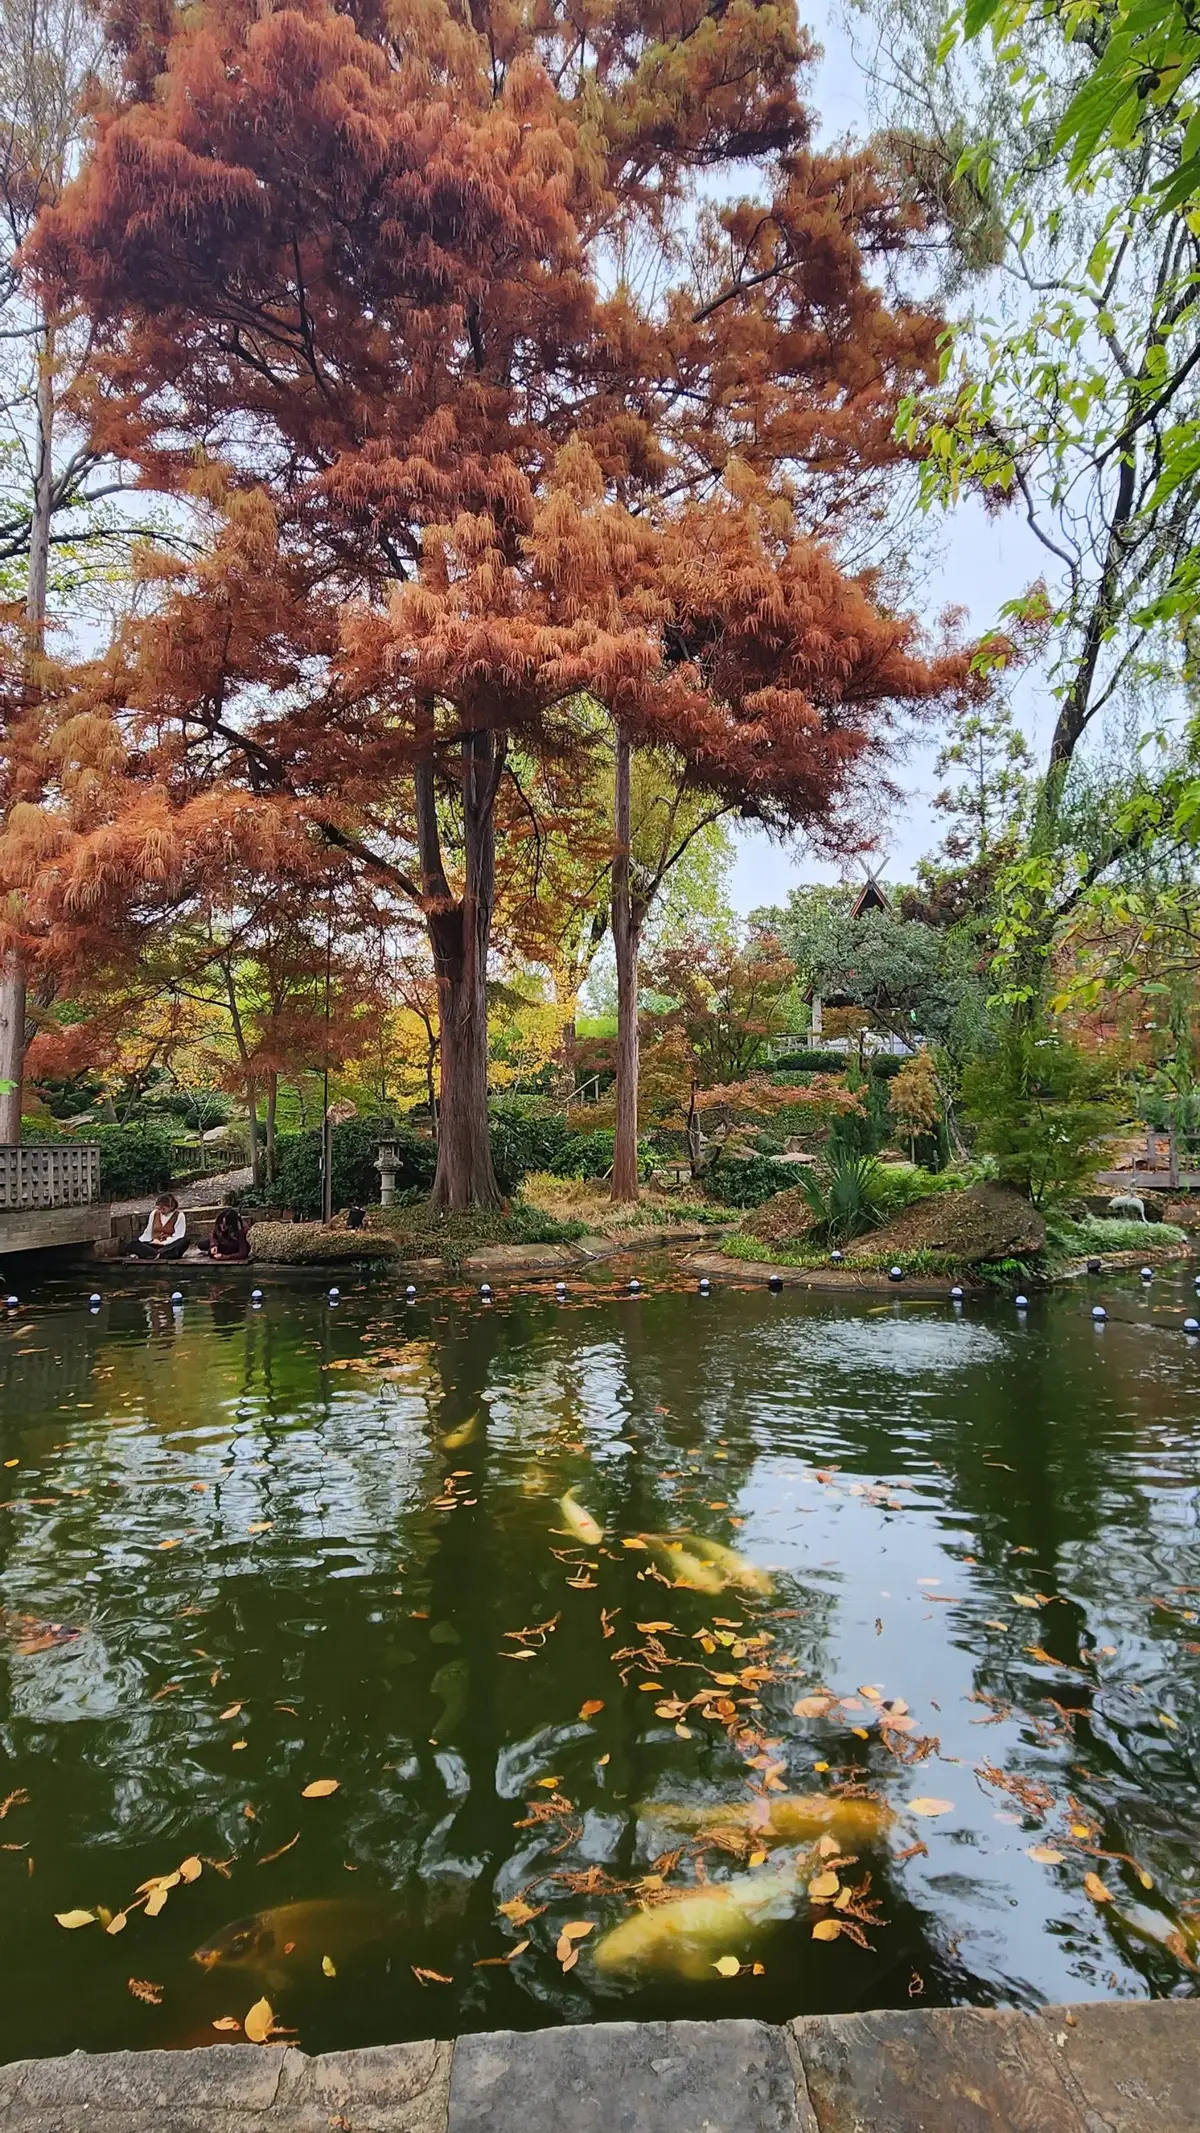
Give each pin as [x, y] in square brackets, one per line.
[12, 971]
[255, 1138]
[627, 919]
[459, 936]
[272, 1102]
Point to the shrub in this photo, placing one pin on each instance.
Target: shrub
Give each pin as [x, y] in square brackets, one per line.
[747, 1182]
[584, 1155]
[134, 1159]
[886, 1065]
[1037, 1106]
[355, 1179]
[524, 1140]
[823, 1062]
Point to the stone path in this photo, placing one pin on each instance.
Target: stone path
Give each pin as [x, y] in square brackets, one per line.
[1107, 2067]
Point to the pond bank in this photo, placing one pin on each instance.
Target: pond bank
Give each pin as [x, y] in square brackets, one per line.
[1102, 2067]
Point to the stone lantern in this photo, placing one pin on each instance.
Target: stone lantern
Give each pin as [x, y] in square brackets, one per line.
[386, 1163]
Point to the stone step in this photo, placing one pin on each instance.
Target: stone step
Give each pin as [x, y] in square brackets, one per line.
[1103, 2067]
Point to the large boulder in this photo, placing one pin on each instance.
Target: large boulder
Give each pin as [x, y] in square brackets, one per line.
[985, 1222]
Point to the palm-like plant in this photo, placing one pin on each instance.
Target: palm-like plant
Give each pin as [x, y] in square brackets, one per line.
[847, 1196]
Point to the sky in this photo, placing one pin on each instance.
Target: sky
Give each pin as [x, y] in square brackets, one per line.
[978, 563]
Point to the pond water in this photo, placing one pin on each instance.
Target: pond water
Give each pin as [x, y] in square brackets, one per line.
[246, 1550]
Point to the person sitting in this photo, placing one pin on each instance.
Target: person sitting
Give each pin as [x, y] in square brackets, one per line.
[230, 1237]
[165, 1234]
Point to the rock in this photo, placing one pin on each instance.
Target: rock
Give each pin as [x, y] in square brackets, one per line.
[985, 1222]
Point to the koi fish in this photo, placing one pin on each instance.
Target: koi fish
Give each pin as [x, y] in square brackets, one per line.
[737, 1570]
[294, 1936]
[790, 1818]
[581, 1522]
[455, 1440]
[685, 1567]
[686, 1935]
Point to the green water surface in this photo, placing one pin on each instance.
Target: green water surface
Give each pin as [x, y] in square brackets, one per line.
[237, 1556]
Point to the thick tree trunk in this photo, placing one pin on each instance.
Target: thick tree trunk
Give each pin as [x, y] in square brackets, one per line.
[627, 919]
[12, 970]
[12, 1048]
[459, 936]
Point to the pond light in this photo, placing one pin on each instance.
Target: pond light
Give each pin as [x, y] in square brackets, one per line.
[895, 1273]
[836, 1258]
[256, 1296]
[1191, 1325]
[1095, 1266]
[1099, 1313]
[177, 1296]
[635, 1286]
[335, 1296]
[956, 1294]
[12, 1302]
[410, 1292]
[560, 1288]
[705, 1285]
[1022, 1303]
[485, 1290]
[1147, 1273]
[775, 1282]
[94, 1298]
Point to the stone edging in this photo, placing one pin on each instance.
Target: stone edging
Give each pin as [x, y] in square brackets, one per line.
[1105, 2067]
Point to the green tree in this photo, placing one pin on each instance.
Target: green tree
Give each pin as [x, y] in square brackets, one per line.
[1040, 1109]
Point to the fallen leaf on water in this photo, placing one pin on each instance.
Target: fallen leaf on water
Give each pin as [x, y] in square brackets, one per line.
[118, 1922]
[1167, 1720]
[590, 1708]
[156, 1901]
[727, 1966]
[757, 1859]
[991, 1623]
[828, 1846]
[579, 1930]
[226, 2022]
[567, 1955]
[549, 1784]
[1094, 1887]
[235, 1747]
[430, 1977]
[259, 2022]
[268, 1856]
[232, 1712]
[926, 1806]
[811, 1706]
[826, 1929]
[1025, 1599]
[190, 1869]
[328, 1966]
[651, 1627]
[1045, 1855]
[497, 1962]
[633, 1544]
[320, 1788]
[142, 1989]
[518, 1911]
[260, 1525]
[169, 1543]
[516, 1655]
[71, 1919]
[823, 1886]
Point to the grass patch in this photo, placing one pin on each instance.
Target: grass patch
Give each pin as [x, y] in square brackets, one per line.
[586, 1202]
[1108, 1233]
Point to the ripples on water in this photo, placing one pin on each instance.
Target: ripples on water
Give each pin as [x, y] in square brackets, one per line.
[278, 1572]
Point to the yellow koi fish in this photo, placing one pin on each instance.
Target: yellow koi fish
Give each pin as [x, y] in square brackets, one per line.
[791, 1818]
[456, 1440]
[687, 1935]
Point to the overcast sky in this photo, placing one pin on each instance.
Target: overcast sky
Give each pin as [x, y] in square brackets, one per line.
[979, 563]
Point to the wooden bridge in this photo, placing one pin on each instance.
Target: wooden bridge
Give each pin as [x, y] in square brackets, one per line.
[50, 1196]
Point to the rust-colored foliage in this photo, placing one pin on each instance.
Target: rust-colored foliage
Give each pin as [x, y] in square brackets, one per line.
[391, 297]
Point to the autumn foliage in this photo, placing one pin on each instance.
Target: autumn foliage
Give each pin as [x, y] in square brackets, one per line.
[478, 461]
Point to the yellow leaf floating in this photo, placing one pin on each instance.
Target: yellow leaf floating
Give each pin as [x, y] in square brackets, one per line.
[727, 1966]
[826, 1929]
[190, 1869]
[1045, 1855]
[320, 1788]
[226, 2022]
[812, 1706]
[72, 1919]
[259, 2022]
[590, 1708]
[328, 1966]
[1094, 1887]
[156, 1901]
[118, 1922]
[823, 1887]
[926, 1806]
[578, 1931]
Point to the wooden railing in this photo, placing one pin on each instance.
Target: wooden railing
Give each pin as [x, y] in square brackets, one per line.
[40, 1176]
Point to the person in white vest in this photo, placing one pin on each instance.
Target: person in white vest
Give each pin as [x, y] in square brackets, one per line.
[165, 1234]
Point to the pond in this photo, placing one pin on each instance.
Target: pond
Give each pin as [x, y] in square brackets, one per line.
[312, 1662]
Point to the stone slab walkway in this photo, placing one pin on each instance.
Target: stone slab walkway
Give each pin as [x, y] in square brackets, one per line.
[1106, 2067]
